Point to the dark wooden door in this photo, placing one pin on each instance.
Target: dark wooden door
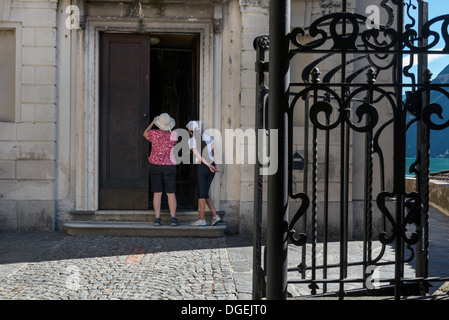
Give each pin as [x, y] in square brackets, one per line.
[124, 115]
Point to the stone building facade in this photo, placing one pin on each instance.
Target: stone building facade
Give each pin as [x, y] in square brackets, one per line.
[55, 57]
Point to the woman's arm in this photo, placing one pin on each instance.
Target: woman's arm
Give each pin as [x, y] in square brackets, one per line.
[145, 133]
[197, 154]
[213, 154]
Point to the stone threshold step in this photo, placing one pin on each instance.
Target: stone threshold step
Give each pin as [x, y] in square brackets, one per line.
[142, 229]
[136, 215]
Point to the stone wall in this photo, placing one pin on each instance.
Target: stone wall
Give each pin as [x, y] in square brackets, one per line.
[27, 141]
[254, 22]
[438, 193]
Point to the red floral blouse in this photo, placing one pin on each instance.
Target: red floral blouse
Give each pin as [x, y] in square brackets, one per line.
[162, 143]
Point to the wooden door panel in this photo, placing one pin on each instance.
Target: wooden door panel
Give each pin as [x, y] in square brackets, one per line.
[124, 99]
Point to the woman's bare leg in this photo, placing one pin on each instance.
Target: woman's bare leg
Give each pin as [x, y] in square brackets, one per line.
[157, 204]
[172, 204]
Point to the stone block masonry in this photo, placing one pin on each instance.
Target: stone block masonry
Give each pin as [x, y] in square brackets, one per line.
[28, 142]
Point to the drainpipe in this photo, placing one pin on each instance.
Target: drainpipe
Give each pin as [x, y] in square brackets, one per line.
[277, 209]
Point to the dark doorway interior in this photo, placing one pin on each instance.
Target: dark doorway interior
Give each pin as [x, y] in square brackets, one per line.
[174, 89]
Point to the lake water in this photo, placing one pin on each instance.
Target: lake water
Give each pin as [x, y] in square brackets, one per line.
[436, 164]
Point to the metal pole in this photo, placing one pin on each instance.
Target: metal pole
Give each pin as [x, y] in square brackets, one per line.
[422, 181]
[277, 209]
[261, 45]
[399, 161]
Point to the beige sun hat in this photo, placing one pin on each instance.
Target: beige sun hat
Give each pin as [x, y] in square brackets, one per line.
[164, 122]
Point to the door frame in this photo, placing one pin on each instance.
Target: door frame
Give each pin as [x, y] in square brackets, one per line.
[87, 131]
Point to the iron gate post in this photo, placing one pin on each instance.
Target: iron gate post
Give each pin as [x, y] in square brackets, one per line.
[277, 208]
[261, 45]
[422, 143]
[399, 163]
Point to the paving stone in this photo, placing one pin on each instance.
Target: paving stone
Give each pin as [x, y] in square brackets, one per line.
[124, 268]
[53, 266]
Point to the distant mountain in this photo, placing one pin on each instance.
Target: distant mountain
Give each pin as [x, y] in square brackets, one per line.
[443, 77]
[439, 139]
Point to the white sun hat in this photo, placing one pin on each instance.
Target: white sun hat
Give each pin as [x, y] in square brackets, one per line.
[164, 122]
[192, 125]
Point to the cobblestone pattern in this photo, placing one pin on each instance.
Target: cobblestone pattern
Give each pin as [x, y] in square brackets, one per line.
[126, 268]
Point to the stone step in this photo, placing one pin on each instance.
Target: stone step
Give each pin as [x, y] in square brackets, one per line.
[142, 229]
[136, 215]
[139, 223]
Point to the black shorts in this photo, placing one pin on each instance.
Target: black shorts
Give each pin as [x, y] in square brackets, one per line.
[163, 178]
[204, 179]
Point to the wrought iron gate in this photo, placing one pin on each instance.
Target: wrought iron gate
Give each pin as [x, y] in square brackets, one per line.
[349, 116]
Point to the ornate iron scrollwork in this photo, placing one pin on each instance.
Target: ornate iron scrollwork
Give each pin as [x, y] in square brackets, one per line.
[305, 201]
[343, 104]
[434, 108]
[413, 206]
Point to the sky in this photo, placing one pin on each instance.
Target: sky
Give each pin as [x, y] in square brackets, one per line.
[437, 62]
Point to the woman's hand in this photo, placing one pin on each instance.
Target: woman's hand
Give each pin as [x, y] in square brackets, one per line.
[212, 168]
[145, 134]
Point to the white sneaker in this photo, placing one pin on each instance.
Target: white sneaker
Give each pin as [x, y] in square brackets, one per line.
[215, 220]
[199, 222]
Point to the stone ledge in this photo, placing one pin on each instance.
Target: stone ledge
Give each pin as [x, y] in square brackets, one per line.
[141, 229]
[135, 215]
[438, 193]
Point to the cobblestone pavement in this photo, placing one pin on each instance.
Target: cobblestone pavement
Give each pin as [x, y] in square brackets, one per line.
[40, 265]
[124, 268]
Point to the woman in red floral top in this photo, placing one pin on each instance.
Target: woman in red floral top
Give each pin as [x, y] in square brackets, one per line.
[162, 164]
